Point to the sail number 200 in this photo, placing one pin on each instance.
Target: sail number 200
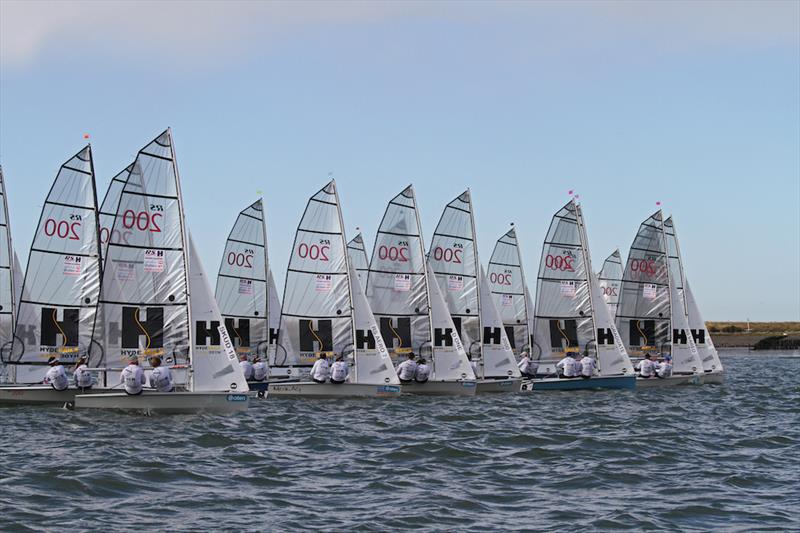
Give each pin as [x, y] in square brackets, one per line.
[315, 252]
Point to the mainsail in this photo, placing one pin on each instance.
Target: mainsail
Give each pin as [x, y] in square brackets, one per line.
[108, 211]
[702, 338]
[454, 259]
[57, 312]
[242, 282]
[610, 278]
[145, 305]
[316, 313]
[496, 353]
[397, 287]
[8, 290]
[510, 291]
[357, 253]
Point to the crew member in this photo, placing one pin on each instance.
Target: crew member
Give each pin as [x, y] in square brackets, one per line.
[473, 362]
[321, 370]
[588, 366]
[664, 368]
[247, 366]
[567, 367]
[132, 376]
[646, 367]
[407, 369]
[81, 374]
[423, 371]
[525, 366]
[339, 371]
[56, 377]
[260, 369]
[161, 376]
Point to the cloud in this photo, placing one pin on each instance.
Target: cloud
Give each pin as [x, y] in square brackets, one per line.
[210, 31]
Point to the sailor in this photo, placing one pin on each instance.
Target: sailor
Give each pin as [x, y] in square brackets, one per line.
[56, 376]
[525, 366]
[161, 376]
[646, 367]
[320, 371]
[339, 371]
[81, 374]
[588, 366]
[664, 368]
[260, 369]
[567, 367]
[132, 376]
[473, 362]
[423, 371]
[407, 369]
[247, 366]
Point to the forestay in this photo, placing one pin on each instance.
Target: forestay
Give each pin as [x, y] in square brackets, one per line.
[509, 290]
[8, 301]
[454, 259]
[213, 358]
[450, 361]
[498, 358]
[643, 311]
[610, 279]
[373, 365]
[108, 211]
[357, 253]
[396, 285]
[242, 283]
[145, 303]
[702, 338]
[57, 312]
[316, 312]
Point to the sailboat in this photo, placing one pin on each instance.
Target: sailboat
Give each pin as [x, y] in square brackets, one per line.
[646, 317]
[157, 301]
[454, 260]
[243, 285]
[570, 315]
[8, 282]
[326, 312]
[610, 278]
[407, 303]
[510, 291]
[357, 253]
[58, 308]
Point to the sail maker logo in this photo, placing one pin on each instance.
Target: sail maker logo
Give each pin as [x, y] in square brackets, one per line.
[207, 333]
[239, 330]
[142, 325]
[317, 338]
[59, 335]
[398, 331]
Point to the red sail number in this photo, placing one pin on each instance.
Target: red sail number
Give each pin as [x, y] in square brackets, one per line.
[559, 262]
[240, 260]
[448, 255]
[500, 279]
[142, 221]
[398, 254]
[313, 251]
[115, 235]
[644, 266]
[63, 229]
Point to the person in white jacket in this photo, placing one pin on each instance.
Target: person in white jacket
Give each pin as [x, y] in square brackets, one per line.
[81, 375]
[423, 371]
[260, 369]
[407, 369]
[56, 376]
[161, 376]
[664, 368]
[321, 370]
[567, 367]
[132, 376]
[339, 371]
[526, 366]
[646, 367]
[588, 366]
[247, 367]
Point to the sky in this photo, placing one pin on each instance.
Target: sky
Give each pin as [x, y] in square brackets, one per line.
[692, 104]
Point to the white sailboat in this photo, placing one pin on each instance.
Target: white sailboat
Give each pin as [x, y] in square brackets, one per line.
[570, 315]
[8, 283]
[610, 279]
[326, 312]
[57, 311]
[454, 260]
[357, 253]
[646, 317]
[510, 290]
[157, 301]
[408, 305]
[243, 285]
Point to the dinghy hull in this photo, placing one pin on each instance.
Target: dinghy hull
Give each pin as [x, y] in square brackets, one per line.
[486, 386]
[600, 382]
[166, 402]
[309, 389]
[440, 388]
[714, 378]
[38, 395]
[675, 379]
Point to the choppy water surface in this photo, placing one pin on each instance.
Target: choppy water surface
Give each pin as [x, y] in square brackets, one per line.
[690, 458]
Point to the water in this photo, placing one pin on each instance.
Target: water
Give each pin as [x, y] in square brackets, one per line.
[690, 458]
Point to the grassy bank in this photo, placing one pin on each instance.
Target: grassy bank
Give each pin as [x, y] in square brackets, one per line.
[735, 334]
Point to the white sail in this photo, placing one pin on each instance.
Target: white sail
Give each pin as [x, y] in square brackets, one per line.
[108, 211]
[610, 279]
[242, 284]
[8, 300]
[700, 335]
[612, 358]
[643, 311]
[316, 311]
[373, 365]
[145, 288]
[215, 366]
[454, 259]
[357, 254]
[57, 312]
[498, 357]
[397, 287]
[509, 289]
[450, 361]
[274, 306]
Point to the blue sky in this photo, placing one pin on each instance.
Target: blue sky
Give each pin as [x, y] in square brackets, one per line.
[694, 104]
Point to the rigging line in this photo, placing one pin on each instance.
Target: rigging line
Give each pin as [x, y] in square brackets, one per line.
[136, 318]
[642, 332]
[397, 335]
[55, 321]
[314, 333]
[558, 325]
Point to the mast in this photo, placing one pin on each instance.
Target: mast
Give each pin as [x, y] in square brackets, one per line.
[478, 270]
[6, 225]
[425, 277]
[588, 262]
[349, 281]
[670, 282]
